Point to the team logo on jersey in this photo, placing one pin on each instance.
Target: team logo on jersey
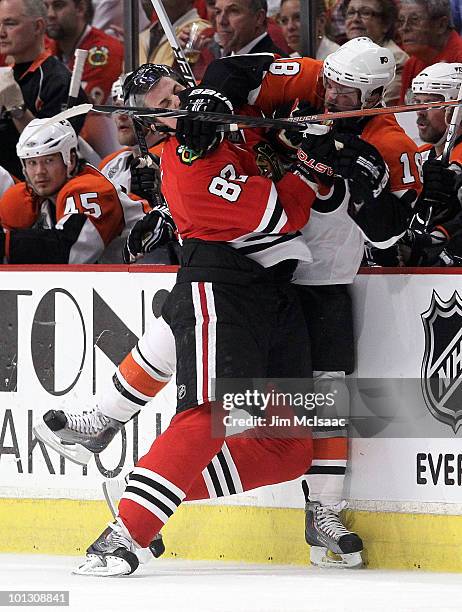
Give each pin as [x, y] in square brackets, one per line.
[267, 161]
[98, 56]
[181, 392]
[187, 156]
[442, 361]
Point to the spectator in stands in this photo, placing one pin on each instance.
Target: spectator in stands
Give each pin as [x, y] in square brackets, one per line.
[289, 20]
[154, 46]
[377, 20]
[37, 85]
[109, 17]
[456, 10]
[428, 36]
[336, 12]
[242, 27]
[69, 26]
[66, 211]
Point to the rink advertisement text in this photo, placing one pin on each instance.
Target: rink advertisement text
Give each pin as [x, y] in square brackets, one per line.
[439, 468]
[62, 333]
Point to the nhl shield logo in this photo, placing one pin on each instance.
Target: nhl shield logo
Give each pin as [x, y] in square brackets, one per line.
[442, 362]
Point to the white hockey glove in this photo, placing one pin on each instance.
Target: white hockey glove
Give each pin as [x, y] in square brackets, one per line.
[10, 92]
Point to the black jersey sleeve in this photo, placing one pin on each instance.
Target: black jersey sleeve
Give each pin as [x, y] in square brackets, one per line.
[238, 75]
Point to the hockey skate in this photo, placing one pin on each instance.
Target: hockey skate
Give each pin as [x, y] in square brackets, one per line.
[76, 436]
[331, 543]
[113, 553]
[113, 490]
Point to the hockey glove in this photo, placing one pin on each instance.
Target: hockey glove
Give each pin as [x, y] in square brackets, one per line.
[145, 178]
[362, 165]
[451, 255]
[439, 200]
[201, 136]
[152, 231]
[288, 140]
[316, 150]
[422, 240]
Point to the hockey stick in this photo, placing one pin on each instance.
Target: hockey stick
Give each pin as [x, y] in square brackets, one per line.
[185, 69]
[451, 134]
[244, 121]
[180, 58]
[234, 122]
[80, 56]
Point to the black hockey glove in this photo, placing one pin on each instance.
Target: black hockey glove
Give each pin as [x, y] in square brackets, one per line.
[439, 200]
[362, 165]
[418, 239]
[152, 231]
[315, 154]
[451, 255]
[145, 178]
[201, 136]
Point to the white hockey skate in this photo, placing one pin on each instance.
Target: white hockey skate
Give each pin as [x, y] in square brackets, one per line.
[113, 553]
[113, 489]
[76, 436]
[331, 543]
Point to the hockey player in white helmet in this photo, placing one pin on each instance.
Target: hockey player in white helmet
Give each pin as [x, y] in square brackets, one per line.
[435, 83]
[435, 239]
[361, 69]
[369, 181]
[324, 529]
[66, 211]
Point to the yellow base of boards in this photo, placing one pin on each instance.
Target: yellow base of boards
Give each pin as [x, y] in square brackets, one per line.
[236, 533]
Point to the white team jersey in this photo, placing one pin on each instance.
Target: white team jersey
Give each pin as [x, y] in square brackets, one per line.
[426, 154]
[336, 244]
[6, 180]
[117, 169]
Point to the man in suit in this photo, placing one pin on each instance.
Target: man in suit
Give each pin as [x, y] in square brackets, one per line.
[242, 27]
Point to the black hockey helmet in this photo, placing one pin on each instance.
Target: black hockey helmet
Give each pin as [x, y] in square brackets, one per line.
[137, 83]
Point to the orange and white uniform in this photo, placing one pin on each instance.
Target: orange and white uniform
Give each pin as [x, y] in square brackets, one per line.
[77, 226]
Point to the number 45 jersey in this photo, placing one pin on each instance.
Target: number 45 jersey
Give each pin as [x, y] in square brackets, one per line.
[77, 225]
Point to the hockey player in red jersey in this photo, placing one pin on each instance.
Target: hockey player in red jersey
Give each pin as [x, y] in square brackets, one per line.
[379, 167]
[234, 314]
[66, 211]
[131, 392]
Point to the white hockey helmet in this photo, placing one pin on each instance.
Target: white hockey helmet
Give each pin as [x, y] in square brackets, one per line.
[442, 79]
[361, 64]
[117, 93]
[59, 137]
[116, 90]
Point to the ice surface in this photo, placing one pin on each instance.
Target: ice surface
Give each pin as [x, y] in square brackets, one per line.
[166, 585]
